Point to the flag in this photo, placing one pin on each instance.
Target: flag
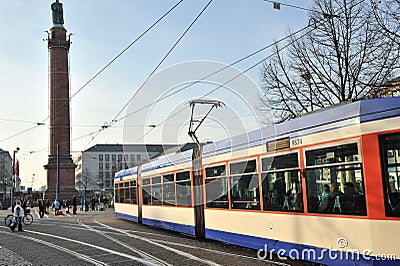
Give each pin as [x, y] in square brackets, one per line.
[16, 168]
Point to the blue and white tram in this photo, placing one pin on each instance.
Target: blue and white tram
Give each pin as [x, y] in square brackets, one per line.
[324, 187]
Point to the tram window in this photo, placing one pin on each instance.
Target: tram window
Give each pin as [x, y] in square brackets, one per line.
[116, 192]
[125, 193]
[281, 183]
[132, 190]
[182, 176]
[169, 189]
[216, 187]
[335, 182]
[146, 191]
[243, 167]
[156, 190]
[336, 154]
[183, 189]
[390, 161]
[146, 181]
[244, 187]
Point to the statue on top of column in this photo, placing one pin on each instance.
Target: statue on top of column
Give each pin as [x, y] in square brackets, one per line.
[57, 9]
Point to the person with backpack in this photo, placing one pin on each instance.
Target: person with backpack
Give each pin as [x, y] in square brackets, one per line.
[18, 214]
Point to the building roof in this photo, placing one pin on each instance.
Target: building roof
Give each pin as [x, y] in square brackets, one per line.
[135, 148]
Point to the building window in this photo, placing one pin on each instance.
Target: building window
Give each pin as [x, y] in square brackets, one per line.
[107, 174]
[120, 158]
[335, 182]
[114, 166]
[101, 174]
[108, 183]
[138, 157]
[107, 157]
[133, 158]
[107, 166]
[113, 157]
[100, 157]
[101, 166]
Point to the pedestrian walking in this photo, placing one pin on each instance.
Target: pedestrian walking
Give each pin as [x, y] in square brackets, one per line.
[56, 206]
[82, 201]
[18, 214]
[42, 208]
[67, 204]
[74, 205]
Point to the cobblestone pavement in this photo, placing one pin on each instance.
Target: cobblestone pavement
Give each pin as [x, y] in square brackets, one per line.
[98, 238]
[8, 257]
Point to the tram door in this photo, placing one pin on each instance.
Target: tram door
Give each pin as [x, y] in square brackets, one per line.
[390, 162]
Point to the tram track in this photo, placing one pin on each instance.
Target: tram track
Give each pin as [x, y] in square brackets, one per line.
[152, 242]
[104, 231]
[145, 255]
[98, 241]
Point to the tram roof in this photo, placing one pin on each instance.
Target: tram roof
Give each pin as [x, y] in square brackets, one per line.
[327, 119]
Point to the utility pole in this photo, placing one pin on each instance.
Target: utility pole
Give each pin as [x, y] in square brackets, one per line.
[198, 182]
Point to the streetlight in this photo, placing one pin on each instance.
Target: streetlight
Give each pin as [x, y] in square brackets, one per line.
[13, 179]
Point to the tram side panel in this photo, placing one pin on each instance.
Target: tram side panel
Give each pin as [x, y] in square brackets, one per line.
[126, 211]
[384, 229]
[180, 219]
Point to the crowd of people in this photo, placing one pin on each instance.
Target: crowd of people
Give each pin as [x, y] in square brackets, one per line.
[20, 207]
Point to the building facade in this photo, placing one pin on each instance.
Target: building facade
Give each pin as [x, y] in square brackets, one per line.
[5, 174]
[97, 165]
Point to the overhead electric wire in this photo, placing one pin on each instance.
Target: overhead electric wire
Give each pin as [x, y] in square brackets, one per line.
[245, 71]
[292, 6]
[107, 65]
[216, 72]
[129, 46]
[152, 128]
[20, 121]
[19, 133]
[222, 85]
[113, 121]
[163, 59]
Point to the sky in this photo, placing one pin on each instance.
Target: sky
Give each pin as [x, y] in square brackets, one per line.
[226, 31]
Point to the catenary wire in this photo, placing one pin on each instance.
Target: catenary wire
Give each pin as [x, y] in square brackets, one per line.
[155, 69]
[252, 54]
[105, 67]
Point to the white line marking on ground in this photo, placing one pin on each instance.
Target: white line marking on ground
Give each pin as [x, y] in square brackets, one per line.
[181, 253]
[94, 246]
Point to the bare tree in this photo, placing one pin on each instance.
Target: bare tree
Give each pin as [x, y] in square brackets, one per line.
[387, 15]
[343, 56]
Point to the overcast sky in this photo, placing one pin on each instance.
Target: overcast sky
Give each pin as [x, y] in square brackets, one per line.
[227, 31]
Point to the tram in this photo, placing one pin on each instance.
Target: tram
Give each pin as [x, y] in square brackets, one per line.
[324, 187]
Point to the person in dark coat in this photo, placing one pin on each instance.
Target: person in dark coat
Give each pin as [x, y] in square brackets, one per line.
[41, 208]
[74, 205]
